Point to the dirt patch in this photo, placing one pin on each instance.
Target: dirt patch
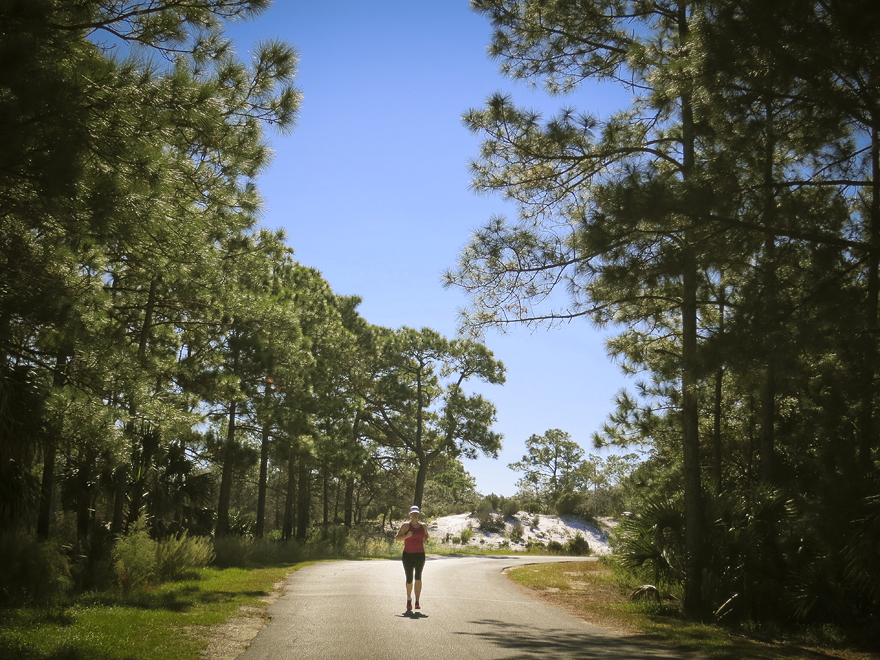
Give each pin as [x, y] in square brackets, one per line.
[228, 640]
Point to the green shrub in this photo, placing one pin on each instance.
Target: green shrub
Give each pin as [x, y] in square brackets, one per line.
[510, 507]
[492, 500]
[487, 519]
[568, 503]
[577, 546]
[555, 548]
[244, 552]
[327, 541]
[535, 546]
[466, 535]
[177, 557]
[603, 502]
[134, 558]
[33, 571]
[516, 533]
[368, 541]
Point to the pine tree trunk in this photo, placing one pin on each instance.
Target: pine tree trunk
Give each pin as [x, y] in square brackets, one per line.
[148, 319]
[47, 485]
[717, 463]
[869, 372]
[349, 501]
[304, 497]
[44, 515]
[693, 500]
[693, 504]
[261, 486]
[325, 485]
[421, 478]
[121, 481]
[226, 477]
[768, 391]
[287, 530]
[768, 425]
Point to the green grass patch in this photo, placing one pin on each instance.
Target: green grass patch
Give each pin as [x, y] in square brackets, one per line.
[149, 624]
[543, 576]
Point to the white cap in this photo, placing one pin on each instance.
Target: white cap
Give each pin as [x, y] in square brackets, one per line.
[414, 509]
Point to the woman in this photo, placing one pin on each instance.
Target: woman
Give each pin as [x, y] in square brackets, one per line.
[413, 534]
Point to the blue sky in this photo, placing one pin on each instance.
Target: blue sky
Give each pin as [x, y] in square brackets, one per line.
[372, 188]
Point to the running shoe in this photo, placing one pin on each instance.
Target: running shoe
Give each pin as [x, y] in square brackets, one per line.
[418, 607]
[409, 605]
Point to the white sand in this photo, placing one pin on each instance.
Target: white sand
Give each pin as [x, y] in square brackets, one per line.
[549, 528]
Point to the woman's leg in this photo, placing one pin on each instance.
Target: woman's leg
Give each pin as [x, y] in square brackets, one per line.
[419, 565]
[408, 567]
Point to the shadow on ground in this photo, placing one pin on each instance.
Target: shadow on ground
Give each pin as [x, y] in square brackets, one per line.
[528, 642]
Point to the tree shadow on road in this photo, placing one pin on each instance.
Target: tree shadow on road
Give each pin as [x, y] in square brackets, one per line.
[529, 642]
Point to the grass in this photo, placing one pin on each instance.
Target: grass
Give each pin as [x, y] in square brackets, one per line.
[591, 591]
[153, 624]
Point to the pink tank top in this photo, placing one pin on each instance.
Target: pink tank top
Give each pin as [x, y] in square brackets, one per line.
[416, 542]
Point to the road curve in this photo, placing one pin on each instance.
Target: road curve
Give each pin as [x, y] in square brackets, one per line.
[356, 610]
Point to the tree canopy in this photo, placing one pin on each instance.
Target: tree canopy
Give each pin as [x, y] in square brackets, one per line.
[724, 226]
[166, 363]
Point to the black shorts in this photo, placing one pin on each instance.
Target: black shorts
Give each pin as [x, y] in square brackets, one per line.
[413, 562]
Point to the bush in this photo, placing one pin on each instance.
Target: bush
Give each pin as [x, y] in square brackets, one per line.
[180, 556]
[33, 571]
[603, 502]
[466, 535]
[535, 546]
[134, 558]
[555, 548]
[568, 503]
[330, 538]
[516, 533]
[487, 519]
[368, 541]
[139, 560]
[244, 551]
[510, 507]
[577, 546]
[492, 500]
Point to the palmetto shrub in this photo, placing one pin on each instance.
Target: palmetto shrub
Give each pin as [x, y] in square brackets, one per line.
[750, 540]
[652, 539]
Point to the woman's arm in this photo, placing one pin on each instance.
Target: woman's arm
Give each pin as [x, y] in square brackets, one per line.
[403, 532]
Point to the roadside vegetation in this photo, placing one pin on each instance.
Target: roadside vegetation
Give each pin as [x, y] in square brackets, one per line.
[606, 594]
[159, 599]
[170, 621]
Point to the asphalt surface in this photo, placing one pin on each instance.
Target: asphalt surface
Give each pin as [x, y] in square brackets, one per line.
[357, 610]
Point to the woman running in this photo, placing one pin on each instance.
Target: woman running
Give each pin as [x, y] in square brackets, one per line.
[413, 534]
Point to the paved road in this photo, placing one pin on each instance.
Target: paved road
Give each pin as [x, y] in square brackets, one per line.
[356, 610]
